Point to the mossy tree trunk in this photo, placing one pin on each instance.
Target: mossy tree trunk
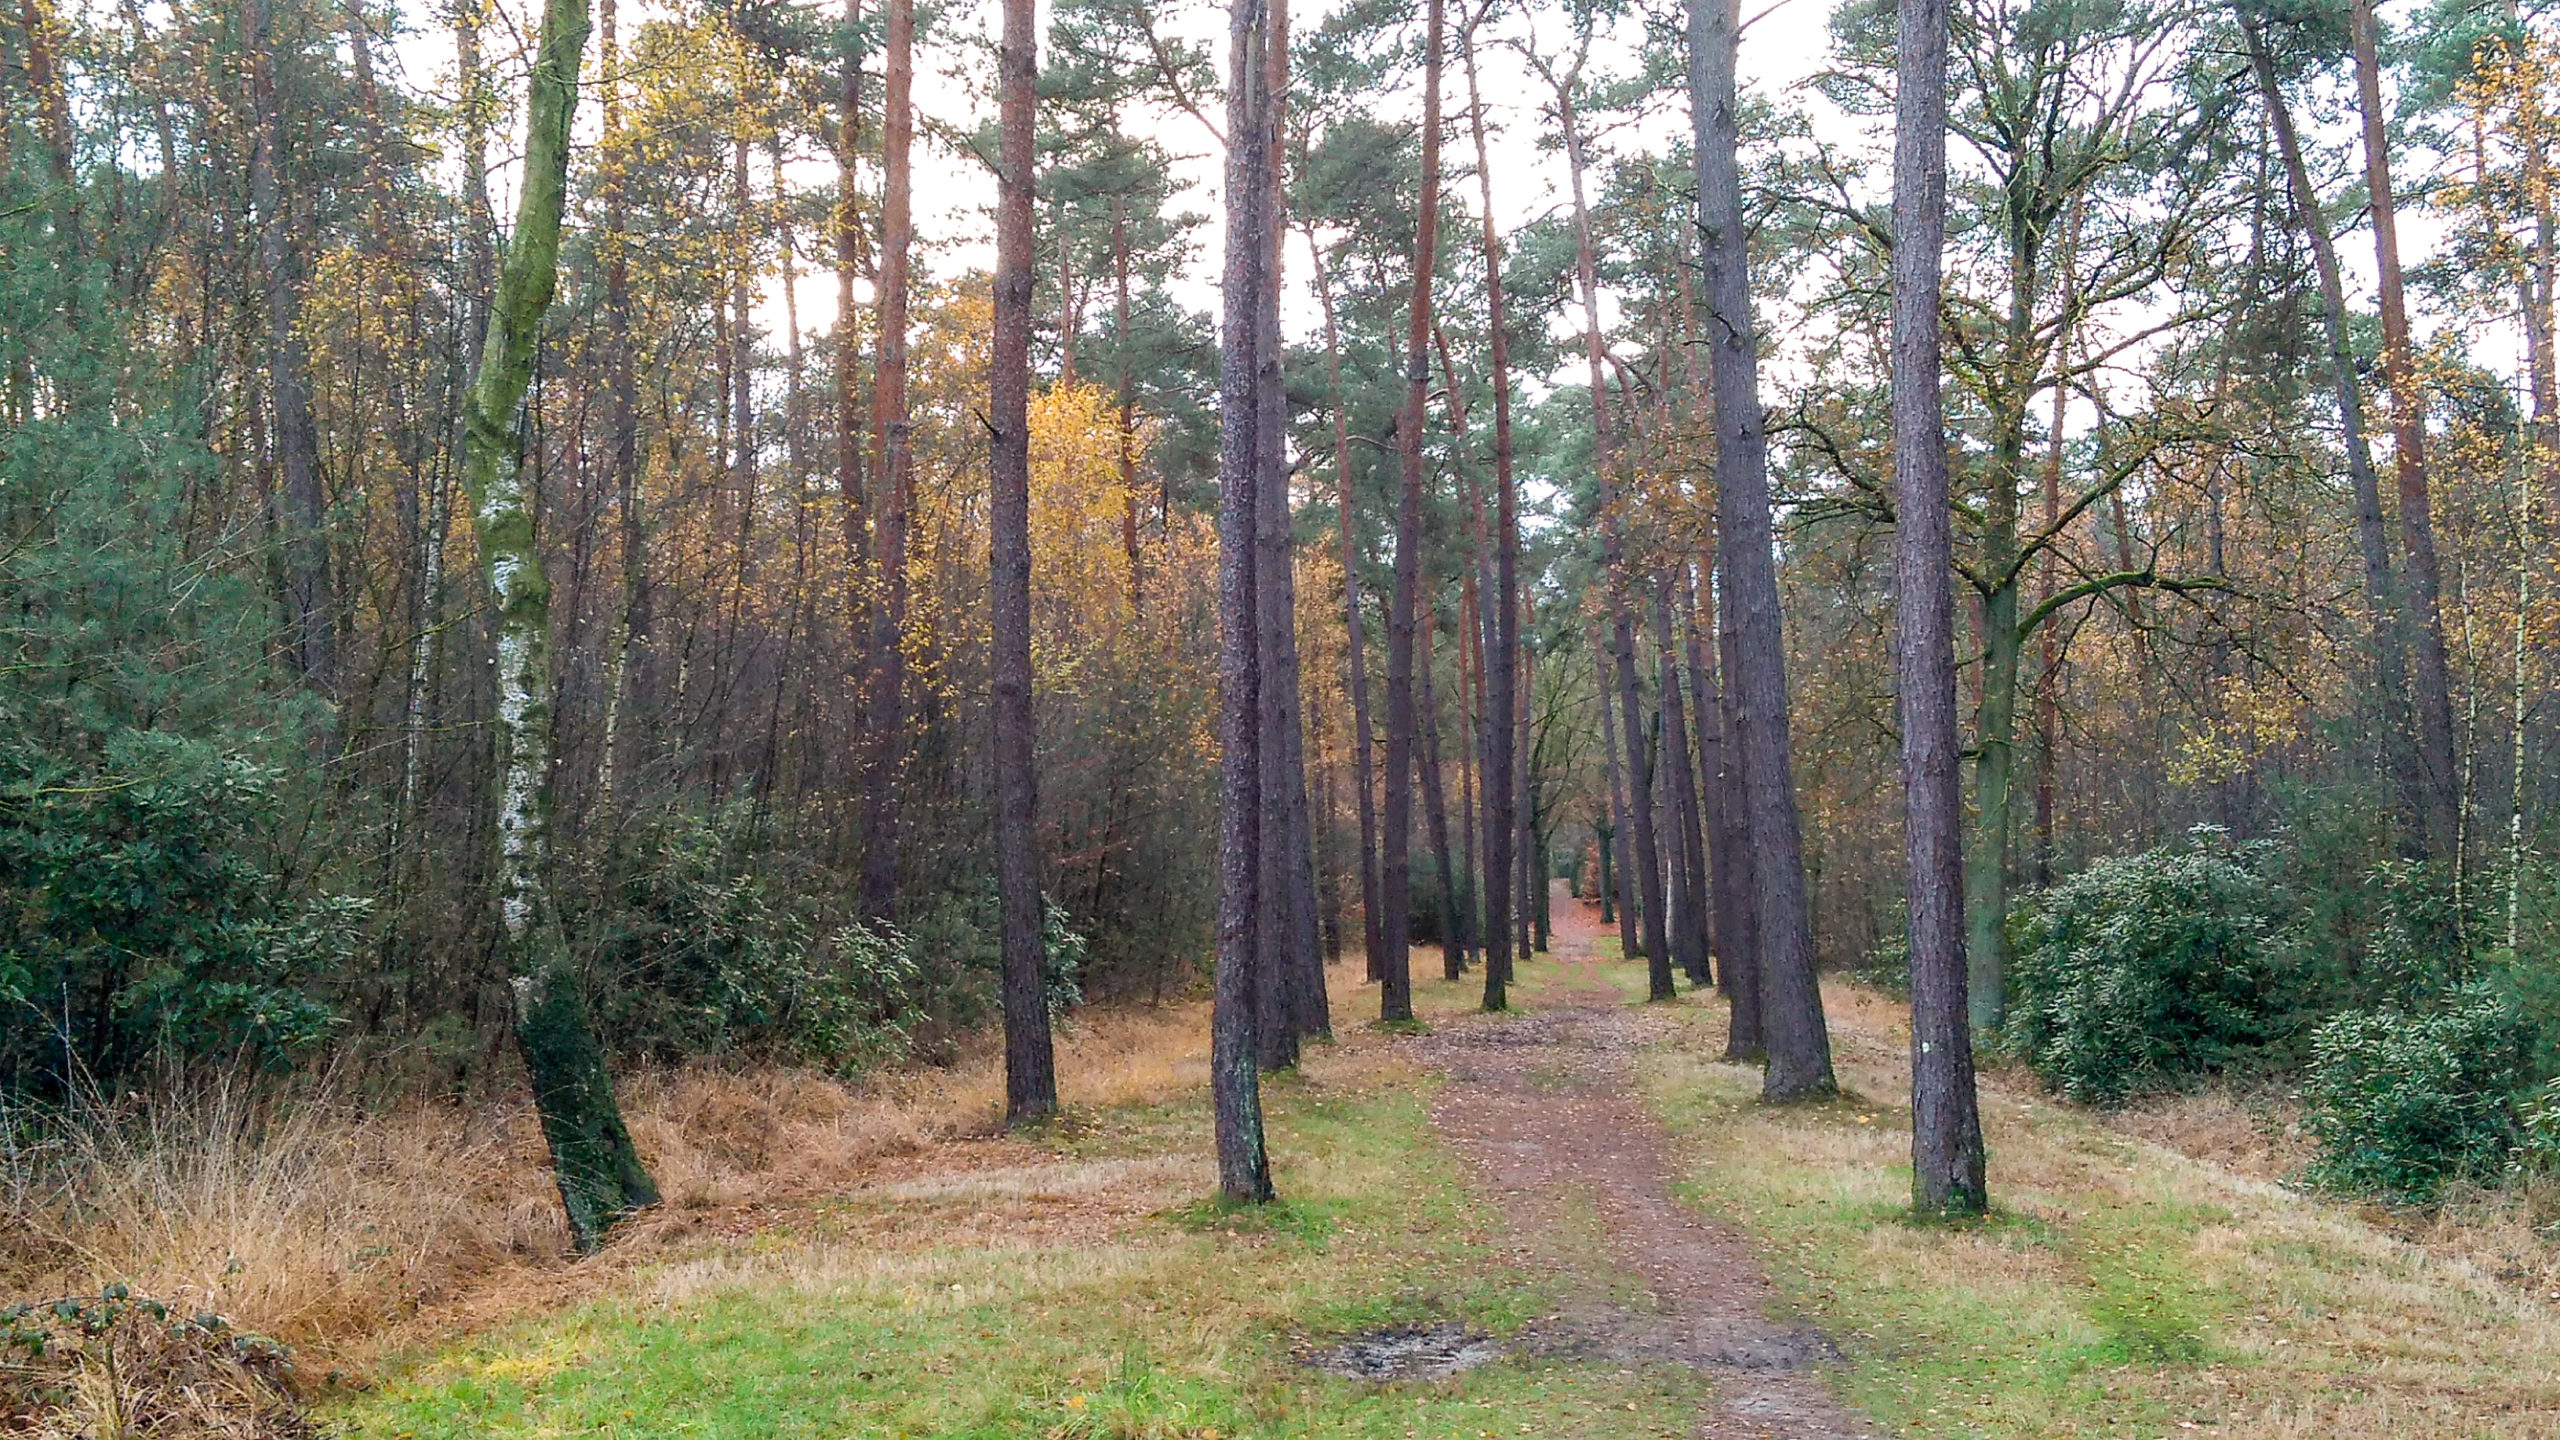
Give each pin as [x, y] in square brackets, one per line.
[599, 1172]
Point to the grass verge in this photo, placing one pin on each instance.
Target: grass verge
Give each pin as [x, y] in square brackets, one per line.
[2118, 1289]
[1105, 1297]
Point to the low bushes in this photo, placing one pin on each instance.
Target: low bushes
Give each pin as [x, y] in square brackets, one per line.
[2145, 971]
[2403, 1103]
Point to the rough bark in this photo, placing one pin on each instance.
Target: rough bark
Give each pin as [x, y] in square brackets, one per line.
[1396, 1001]
[1293, 945]
[1503, 758]
[1244, 1165]
[1689, 917]
[1799, 1045]
[2381, 586]
[1030, 1067]
[1435, 802]
[2433, 692]
[1738, 922]
[1946, 1127]
[892, 469]
[599, 1172]
[1614, 902]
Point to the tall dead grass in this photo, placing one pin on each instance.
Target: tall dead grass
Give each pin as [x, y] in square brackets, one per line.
[330, 1225]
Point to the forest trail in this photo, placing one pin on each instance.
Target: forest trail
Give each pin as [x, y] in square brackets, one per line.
[1544, 1112]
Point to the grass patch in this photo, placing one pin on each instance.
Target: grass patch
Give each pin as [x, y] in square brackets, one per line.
[1184, 1322]
[2117, 1289]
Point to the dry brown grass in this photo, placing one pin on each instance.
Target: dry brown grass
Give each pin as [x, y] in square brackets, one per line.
[341, 1229]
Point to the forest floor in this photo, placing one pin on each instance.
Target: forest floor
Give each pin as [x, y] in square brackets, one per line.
[1568, 1221]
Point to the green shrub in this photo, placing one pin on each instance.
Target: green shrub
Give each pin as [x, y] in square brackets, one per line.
[141, 925]
[720, 946]
[2145, 971]
[2402, 1103]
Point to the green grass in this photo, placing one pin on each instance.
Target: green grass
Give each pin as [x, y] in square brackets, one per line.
[1186, 1325]
[2117, 1289]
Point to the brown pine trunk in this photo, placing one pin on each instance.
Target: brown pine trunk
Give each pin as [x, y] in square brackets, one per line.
[1355, 645]
[886, 702]
[1799, 1045]
[1396, 1001]
[1613, 853]
[1946, 1127]
[1128, 436]
[1435, 806]
[1244, 1165]
[1030, 1068]
[2434, 692]
[847, 227]
[1504, 687]
[1689, 923]
[1290, 985]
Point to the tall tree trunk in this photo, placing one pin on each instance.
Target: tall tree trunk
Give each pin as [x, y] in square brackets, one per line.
[600, 1175]
[1503, 661]
[1644, 857]
[622, 423]
[1435, 804]
[2381, 587]
[1614, 884]
[42, 33]
[1799, 1045]
[1128, 404]
[1946, 1126]
[885, 703]
[846, 225]
[1030, 1068]
[2408, 425]
[795, 453]
[1355, 643]
[1689, 921]
[1396, 1001]
[1244, 1165]
[1293, 944]
[297, 433]
[1531, 857]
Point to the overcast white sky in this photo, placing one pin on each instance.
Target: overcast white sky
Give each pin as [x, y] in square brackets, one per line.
[1782, 48]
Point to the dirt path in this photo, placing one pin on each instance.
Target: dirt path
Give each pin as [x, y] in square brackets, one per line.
[1543, 1110]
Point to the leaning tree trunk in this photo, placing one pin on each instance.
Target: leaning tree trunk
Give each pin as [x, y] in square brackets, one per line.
[1396, 869]
[1799, 1045]
[1946, 1125]
[600, 1175]
[2381, 585]
[2408, 427]
[1030, 1066]
[1235, 1086]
